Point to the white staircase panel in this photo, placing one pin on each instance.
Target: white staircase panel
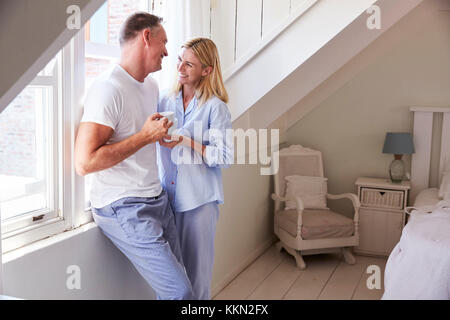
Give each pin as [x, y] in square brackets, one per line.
[248, 26]
[295, 4]
[223, 23]
[275, 13]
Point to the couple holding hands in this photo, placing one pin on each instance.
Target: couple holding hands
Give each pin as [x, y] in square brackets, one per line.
[160, 213]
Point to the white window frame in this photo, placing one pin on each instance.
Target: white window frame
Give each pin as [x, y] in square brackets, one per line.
[15, 224]
[68, 187]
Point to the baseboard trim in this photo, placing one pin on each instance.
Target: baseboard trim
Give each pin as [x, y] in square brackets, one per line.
[241, 267]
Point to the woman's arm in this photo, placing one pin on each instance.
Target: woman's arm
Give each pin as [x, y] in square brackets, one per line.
[219, 151]
[185, 141]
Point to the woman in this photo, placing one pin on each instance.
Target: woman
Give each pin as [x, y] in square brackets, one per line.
[191, 170]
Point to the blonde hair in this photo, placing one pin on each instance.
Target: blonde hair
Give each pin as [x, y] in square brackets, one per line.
[211, 85]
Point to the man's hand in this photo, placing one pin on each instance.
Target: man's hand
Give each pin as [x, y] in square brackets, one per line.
[155, 128]
[171, 144]
[92, 153]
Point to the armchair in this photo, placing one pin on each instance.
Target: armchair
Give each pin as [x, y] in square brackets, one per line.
[310, 231]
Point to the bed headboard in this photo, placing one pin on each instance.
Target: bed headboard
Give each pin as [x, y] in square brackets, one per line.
[425, 121]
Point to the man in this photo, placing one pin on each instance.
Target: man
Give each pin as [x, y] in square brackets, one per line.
[116, 142]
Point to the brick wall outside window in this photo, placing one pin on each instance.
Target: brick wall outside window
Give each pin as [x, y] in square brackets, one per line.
[118, 12]
[17, 136]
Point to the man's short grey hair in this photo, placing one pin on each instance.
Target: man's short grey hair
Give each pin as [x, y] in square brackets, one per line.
[137, 22]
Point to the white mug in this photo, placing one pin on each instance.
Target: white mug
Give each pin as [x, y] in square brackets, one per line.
[170, 115]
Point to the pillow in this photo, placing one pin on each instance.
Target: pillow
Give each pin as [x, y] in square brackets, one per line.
[444, 190]
[312, 190]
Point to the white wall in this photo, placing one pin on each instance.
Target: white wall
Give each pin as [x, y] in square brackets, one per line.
[245, 227]
[105, 271]
[353, 110]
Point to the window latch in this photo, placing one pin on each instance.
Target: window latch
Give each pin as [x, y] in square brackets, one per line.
[39, 217]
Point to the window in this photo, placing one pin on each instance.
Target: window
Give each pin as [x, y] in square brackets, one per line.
[29, 152]
[38, 191]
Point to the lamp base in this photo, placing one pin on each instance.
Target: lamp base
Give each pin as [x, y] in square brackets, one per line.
[397, 170]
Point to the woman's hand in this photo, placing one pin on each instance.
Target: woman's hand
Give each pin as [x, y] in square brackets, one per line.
[194, 145]
[185, 141]
[172, 143]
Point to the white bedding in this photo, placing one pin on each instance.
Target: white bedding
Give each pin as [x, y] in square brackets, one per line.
[419, 265]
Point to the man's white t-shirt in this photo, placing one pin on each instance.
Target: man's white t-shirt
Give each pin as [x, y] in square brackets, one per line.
[119, 101]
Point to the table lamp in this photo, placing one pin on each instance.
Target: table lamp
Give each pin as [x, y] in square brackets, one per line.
[398, 143]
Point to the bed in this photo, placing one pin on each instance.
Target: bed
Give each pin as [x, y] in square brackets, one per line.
[419, 265]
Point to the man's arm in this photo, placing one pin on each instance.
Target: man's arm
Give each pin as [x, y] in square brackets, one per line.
[93, 154]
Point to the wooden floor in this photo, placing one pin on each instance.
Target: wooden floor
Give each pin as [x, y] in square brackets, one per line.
[275, 276]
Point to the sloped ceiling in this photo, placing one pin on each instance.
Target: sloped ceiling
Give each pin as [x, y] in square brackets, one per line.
[31, 33]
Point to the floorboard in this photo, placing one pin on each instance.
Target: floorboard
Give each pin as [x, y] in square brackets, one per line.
[275, 276]
[275, 286]
[311, 282]
[247, 281]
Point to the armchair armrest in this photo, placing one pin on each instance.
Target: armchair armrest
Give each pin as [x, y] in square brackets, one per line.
[353, 197]
[298, 204]
[298, 201]
[276, 197]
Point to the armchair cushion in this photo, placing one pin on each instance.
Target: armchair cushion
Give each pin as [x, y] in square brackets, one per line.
[312, 191]
[317, 224]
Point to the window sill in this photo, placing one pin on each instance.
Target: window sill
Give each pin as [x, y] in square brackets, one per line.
[44, 243]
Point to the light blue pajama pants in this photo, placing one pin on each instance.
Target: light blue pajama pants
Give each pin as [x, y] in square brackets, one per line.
[196, 230]
[144, 230]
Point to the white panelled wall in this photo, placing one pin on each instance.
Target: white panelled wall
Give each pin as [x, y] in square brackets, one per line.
[248, 27]
[241, 28]
[223, 20]
[274, 13]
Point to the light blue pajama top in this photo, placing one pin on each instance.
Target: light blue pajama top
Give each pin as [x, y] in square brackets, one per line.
[190, 179]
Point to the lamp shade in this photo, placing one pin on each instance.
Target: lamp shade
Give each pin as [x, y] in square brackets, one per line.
[398, 143]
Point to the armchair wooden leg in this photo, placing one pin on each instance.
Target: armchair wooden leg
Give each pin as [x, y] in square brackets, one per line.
[348, 256]
[299, 261]
[298, 257]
